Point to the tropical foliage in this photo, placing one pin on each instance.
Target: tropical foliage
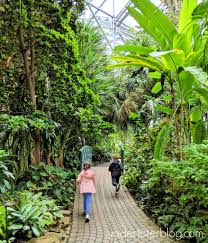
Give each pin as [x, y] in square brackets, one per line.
[30, 214]
[60, 90]
[179, 62]
[166, 167]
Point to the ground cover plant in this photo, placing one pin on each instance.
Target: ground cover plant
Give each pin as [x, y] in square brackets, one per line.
[55, 182]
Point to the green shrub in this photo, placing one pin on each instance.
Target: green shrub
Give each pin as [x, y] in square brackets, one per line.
[30, 214]
[6, 177]
[52, 181]
[177, 193]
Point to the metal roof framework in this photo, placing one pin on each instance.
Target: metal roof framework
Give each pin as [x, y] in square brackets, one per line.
[110, 19]
[113, 19]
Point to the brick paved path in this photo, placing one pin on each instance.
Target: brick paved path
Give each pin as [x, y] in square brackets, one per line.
[113, 219]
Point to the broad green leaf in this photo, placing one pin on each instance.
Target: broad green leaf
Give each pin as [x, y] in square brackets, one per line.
[195, 58]
[172, 61]
[195, 115]
[186, 84]
[183, 41]
[139, 61]
[141, 50]
[167, 98]
[164, 109]
[15, 227]
[26, 227]
[148, 27]
[200, 11]
[186, 14]
[198, 73]
[160, 53]
[156, 75]
[197, 38]
[154, 22]
[157, 87]
[203, 94]
[36, 231]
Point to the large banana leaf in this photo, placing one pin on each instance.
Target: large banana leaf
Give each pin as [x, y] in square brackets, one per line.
[186, 14]
[197, 38]
[196, 114]
[203, 94]
[195, 58]
[172, 59]
[139, 61]
[183, 40]
[201, 11]
[154, 22]
[185, 26]
[186, 82]
[197, 73]
[149, 28]
[141, 50]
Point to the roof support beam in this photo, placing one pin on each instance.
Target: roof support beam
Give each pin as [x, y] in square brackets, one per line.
[100, 26]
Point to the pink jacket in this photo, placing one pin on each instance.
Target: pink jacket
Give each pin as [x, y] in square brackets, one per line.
[86, 179]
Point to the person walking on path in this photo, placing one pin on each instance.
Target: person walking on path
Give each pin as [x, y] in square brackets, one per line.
[86, 180]
[116, 169]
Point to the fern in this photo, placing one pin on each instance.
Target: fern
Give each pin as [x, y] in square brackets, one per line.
[162, 139]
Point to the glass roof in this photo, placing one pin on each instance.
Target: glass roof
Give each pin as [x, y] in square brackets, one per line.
[112, 17]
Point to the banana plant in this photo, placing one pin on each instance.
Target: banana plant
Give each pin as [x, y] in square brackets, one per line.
[181, 57]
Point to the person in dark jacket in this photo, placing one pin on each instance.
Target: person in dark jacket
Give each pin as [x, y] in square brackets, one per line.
[116, 169]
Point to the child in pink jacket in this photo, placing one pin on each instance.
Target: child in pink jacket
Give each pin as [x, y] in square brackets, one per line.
[86, 180]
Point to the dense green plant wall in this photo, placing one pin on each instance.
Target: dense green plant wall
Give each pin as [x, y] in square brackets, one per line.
[49, 109]
[42, 77]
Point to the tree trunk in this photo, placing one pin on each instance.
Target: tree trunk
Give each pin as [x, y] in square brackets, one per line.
[36, 146]
[27, 67]
[61, 156]
[30, 75]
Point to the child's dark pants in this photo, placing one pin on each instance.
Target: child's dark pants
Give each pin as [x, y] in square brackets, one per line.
[115, 180]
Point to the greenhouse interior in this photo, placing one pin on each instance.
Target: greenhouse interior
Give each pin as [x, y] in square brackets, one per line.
[103, 121]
